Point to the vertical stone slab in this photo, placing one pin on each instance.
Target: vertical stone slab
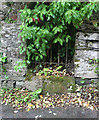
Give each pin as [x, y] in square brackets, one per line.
[86, 49]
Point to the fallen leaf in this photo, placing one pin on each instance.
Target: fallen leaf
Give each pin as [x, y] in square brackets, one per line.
[16, 111]
[30, 105]
[28, 110]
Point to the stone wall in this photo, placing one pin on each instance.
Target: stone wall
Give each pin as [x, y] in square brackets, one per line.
[86, 49]
[10, 47]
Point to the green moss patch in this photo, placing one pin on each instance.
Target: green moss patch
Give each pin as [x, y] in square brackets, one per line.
[58, 85]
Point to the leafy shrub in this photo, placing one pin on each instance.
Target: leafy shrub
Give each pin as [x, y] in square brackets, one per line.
[48, 24]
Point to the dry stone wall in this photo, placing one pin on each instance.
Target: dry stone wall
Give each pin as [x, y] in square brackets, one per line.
[86, 49]
[10, 47]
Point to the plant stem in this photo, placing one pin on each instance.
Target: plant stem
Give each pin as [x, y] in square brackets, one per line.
[66, 54]
[58, 54]
[51, 55]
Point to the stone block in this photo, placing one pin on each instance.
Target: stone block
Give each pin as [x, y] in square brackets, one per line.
[15, 78]
[10, 84]
[7, 35]
[19, 84]
[83, 68]
[87, 43]
[94, 44]
[14, 73]
[88, 82]
[4, 83]
[86, 54]
[7, 66]
[87, 36]
[33, 85]
[80, 44]
[50, 85]
[1, 17]
[4, 44]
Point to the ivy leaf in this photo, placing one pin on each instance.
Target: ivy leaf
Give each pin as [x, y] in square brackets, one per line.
[82, 81]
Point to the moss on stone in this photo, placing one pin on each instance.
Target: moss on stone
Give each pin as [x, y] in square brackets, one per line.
[29, 75]
[53, 84]
[76, 60]
[58, 85]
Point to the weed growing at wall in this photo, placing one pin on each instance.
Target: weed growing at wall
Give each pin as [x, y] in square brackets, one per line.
[3, 59]
[8, 20]
[20, 65]
[95, 62]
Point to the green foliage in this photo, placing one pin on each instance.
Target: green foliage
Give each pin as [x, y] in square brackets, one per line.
[98, 85]
[58, 68]
[3, 59]
[9, 20]
[97, 67]
[48, 24]
[47, 71]
[34, 95]
[31, 95]
[95, 62]
[20, 65]
[82, 80]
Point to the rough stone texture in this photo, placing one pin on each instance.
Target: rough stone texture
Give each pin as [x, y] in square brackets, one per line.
[34, 84]
[82, 66]
[86, 48]
[50, 85]
[10, 46]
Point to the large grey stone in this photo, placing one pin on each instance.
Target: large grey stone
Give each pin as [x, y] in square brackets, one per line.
[50, 85]
[34, 84]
